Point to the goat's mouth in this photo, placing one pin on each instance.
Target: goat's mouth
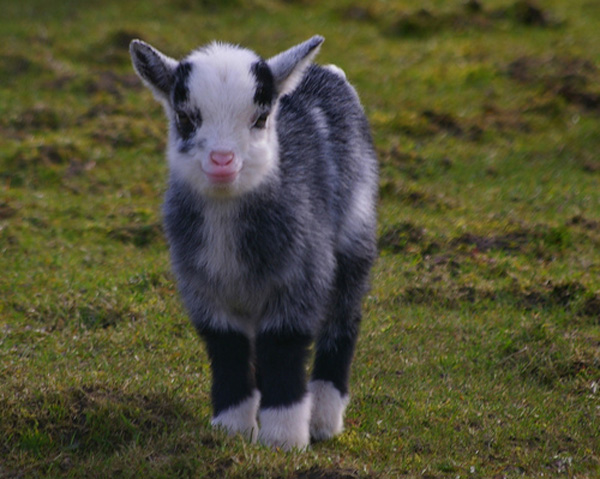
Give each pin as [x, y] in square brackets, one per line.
[222, 175]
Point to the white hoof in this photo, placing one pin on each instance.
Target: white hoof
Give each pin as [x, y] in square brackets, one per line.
[286, 427]
[240, 419]
[327, 418]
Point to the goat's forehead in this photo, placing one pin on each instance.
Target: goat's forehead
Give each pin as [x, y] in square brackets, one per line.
[218, 73]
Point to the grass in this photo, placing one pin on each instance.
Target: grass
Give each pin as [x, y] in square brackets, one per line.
[480, 349]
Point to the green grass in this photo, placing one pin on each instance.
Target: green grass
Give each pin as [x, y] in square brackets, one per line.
[480, 350]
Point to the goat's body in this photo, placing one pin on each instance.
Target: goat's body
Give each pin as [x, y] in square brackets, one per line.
[265, 272]
[236, 258]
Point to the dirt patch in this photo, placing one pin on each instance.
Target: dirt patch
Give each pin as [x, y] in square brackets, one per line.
[492, 117]
[500, 119]
[113, 49]
[472, 15]
[396, 238]
[331, 473]
[569, 295]
[13, 67]
[452, 297]
[39, 164]
[6, 211]
[541, 241]
[138, 235]
[411, 164]
[103, 313]
[527, 13]
[591, 307]
[514, 241]
[573, 79]
[585, 223]
[359, 13]
[413, 196]
[16, 64]
[108, 81]
[448, 123]
[591, 166]
[59, 82]
[37, 118]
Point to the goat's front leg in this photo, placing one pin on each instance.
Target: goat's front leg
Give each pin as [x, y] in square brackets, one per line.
[235, 398]
[285, 403]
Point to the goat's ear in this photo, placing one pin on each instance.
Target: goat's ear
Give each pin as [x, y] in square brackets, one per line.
[154, 68]
[289, 66]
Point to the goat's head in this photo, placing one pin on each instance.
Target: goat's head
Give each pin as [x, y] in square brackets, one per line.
[221, 101]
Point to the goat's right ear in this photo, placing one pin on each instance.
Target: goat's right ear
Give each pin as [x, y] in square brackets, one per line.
[154, 68]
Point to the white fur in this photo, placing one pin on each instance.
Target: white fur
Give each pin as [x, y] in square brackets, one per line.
[360, 214]
[286, 427]
[320, 119]
[337, 70]
[327, 418]
[220, 245]
[240, 419]
[237, 305]
[222, 87]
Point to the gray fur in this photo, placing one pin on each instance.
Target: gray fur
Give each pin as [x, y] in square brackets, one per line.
[282, 238]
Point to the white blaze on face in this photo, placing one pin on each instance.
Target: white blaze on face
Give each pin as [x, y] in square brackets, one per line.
[226, 154]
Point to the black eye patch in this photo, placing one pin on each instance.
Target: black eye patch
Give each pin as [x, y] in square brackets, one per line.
[181, 92]
[185, 125]
[265, 85]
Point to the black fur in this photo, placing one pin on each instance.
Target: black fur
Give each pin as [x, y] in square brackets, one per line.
[232, 367]
[181, 91]
[265, 86]
[151, 69]
[281, 362]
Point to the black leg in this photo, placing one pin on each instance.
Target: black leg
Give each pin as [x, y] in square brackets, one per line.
[285, 405]
[335, 347]
[333, 358]
[281, 360]
[234, 395]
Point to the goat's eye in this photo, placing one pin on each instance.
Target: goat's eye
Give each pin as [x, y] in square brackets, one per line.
[185, 125]
[261, 121]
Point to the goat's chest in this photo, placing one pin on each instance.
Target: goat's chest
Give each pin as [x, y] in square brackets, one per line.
[218, 253]
[242, 254]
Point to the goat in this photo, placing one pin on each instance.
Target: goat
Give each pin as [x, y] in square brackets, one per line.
[270, 218]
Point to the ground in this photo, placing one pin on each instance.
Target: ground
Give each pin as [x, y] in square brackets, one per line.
[480, 349]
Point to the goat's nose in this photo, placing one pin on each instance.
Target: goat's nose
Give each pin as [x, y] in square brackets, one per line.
[221, 158]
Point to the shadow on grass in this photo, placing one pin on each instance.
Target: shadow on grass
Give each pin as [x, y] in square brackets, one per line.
[91, 420]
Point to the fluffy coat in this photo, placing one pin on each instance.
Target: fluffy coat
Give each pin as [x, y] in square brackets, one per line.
[270, 217]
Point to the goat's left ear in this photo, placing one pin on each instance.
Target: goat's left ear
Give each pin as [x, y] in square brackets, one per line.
[154, 68]
[289, 66]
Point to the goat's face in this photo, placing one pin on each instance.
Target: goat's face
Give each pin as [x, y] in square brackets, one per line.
[222, 137]
[221, 103]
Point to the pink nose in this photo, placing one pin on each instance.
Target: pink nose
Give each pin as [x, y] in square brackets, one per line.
[221, 158]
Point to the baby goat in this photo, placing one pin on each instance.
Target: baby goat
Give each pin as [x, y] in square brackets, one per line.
[270, 217]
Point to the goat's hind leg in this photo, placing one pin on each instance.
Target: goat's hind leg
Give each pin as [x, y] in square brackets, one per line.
[335, 347]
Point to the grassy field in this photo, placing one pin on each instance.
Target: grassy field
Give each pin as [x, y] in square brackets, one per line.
[480, 349]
